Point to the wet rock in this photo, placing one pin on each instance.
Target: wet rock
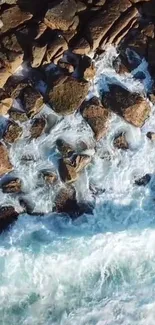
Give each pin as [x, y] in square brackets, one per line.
[49, 177]
[80, 162]
[89, 73]
[66, 66]
[120, 142]
[151, 135]
[38, 53]
[5, 164]
[96, 116]
[66, 202]
[18, 116]
[5, 102]
[32, 101]
[81, 47]
[65, 149]
[8, 215]
[12, 133]
[67, 96]
[143, 181]
[12, 186]
[38, 127]
[67, 172]
[131, 106]
[15, 85]
[55, 48]
[12, 18]
[121, 65]
[61, 15]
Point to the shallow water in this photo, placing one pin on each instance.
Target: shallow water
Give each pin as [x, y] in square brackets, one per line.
[99, 269]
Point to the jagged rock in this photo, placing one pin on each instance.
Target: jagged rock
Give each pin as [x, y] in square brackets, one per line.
[12, 18]
[12, 186]
[38, 53]
[8, 215]
[14, 86]
[69, 169]
[18, 116]
[89, 73]
[37, 127]
[64, 148]
[131, 106]
[151, 135]
[104, 19]
[67, 96]
[55, 48]
[81, 47]
[32, 101]
[61, 15]
[49, 177]
[67, 172]
[143, 181]
[5, 165]
[66, 202]
[120, 142]
[5, 102]
[65, 66]
[12, 133]
[121, 65]
[96, 116]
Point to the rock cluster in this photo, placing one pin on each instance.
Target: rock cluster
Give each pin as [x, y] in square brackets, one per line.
[66, 33]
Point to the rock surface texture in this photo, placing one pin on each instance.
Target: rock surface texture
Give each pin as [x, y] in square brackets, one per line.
[47, 57]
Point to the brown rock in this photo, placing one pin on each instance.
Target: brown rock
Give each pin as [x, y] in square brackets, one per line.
[120, 142]
[5, 102]
[8, 215]
[49, 177]
[65, 201]
[61, 15]
[12, 133]
[32, 101]
[82, 47]
[12, 186]
[18, 116]
[67, 172]
[66, 66]
[56, 48]
[64, 148]
[12, 18]
[80, 162]
[5, 165]
[37, 127]
[131, 106]
[96, 116]
[67, 96]
[38, 53]
[89, 73]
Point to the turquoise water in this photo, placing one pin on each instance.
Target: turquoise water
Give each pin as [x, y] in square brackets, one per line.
[99, 269]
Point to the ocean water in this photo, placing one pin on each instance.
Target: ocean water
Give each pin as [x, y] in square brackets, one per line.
[100, 268]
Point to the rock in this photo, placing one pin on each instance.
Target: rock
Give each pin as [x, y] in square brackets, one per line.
[37, 127]
[90, 72]
[131, 106]
[96, 116]
[120, 142]
[121, 65]
[18, 116]
[101, 23]
[55, 48]
[12, 133]
[80, 162]
[67, 96]
[5, 165]
[66, 202]
[12, 186]
[49, 177]
[38, 53]
[32, 101]
[65, 149]
[143, 181]
[61, 15]
[81, 47]
[66, 67]
[15, 85]
[67, 172]
[5, 102]
[151, 135]
[12, 18]
[8, 215]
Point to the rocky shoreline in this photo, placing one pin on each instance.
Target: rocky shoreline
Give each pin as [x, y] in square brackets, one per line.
[56, 43]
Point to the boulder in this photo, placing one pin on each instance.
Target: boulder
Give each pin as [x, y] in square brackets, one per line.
[49, 177]
[120, 142]
[68, 95]
[96, 116]
[67, 172]
[38, 53]
[18, 116]
[5, 165]
[8, 215]
[65, 149]
[32, 101]
[61, 15]
[143, 181]
[12, 133]
[37, 127]
[5, 102]
[12, 186]
[12, 18]
[80, 162]
[131, 106]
